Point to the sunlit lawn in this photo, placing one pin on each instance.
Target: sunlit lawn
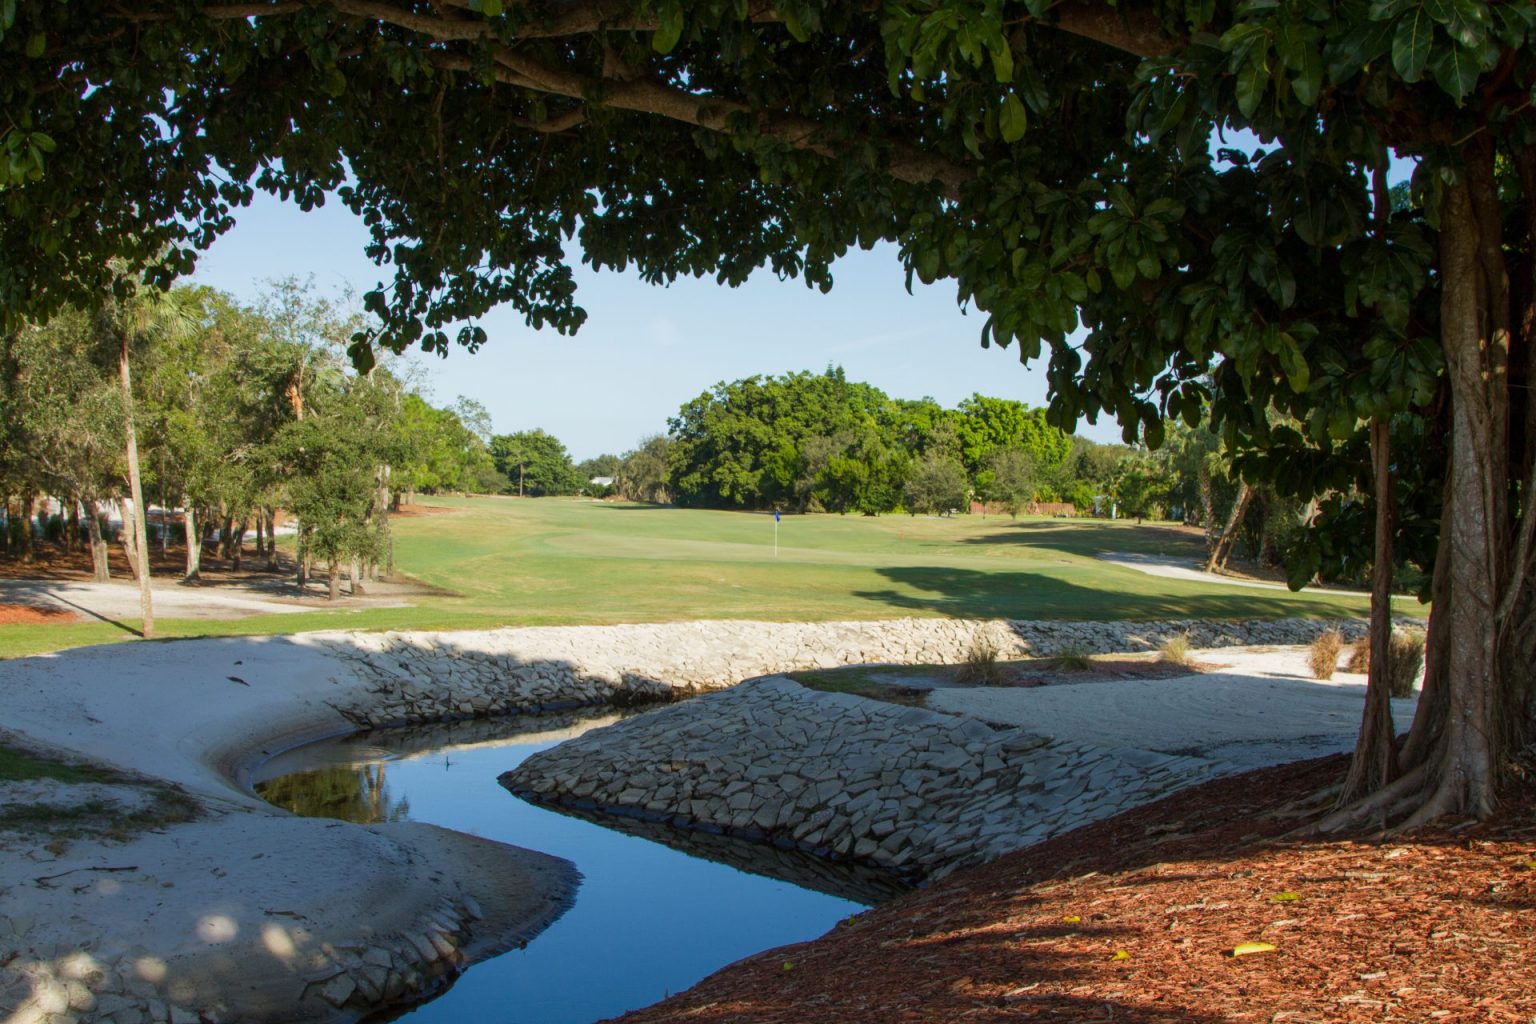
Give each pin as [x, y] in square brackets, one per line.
[508, 561]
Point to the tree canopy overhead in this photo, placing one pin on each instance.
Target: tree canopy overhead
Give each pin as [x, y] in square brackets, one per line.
[1070, 165]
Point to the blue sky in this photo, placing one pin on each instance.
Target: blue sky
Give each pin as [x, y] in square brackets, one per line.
[645, 350]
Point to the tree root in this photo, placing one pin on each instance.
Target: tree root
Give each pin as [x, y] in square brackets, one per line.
[1381, 806]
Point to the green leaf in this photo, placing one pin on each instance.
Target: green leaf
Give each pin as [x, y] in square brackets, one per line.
[1012, 120]
[7, 15]
[1308, 83]
[1411, 43]
[490, 8]
[1002, 62]
[37, 43]
[1252, 80]
[1456, 71]
[1442, 11]
[671, 29]
[793, 27]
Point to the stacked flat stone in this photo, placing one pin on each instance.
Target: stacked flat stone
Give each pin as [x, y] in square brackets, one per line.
[351, 980]
[429, 677]
[901, 789]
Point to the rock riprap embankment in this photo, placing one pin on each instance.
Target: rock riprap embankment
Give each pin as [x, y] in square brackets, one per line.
[428, 677]
[900, 788]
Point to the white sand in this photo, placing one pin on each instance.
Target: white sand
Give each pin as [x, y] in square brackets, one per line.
[1259, 706]
[243, 906]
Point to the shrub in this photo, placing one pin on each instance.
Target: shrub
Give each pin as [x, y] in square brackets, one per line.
[1323, 656]
[1405, 657]
[980, 667]
[1175, 650]
[1073, 659]
[1359, 656]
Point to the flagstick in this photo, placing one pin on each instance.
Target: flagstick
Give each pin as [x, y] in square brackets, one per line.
[775, 536]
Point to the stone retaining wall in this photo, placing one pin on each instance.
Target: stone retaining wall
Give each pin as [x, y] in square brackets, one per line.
[901, 789]
[427, 677]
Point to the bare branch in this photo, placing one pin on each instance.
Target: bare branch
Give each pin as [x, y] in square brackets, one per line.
[1135, 31]
[908, 163]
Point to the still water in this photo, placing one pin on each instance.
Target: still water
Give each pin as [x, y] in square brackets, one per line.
[649, 919]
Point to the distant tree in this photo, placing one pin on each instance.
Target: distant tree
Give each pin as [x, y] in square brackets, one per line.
[938, 484]
[643, 472]
[600, 466]
[988, 425]
[1011, 479]
[535, 463]
[62, 423]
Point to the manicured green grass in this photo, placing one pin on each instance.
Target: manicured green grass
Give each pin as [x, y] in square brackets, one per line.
[509, 561]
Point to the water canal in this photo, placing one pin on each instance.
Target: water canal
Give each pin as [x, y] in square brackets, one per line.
[650, 918]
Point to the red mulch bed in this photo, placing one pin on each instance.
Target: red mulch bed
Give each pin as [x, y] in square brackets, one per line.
[51, 562]
[1439, 925]
[32, 615]
[422, 510]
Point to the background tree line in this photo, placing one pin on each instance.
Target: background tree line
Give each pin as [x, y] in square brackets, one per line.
[234, 412]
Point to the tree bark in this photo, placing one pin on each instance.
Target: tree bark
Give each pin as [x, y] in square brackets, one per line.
[333, 580]
[101, 569]
[28, 551]
[127, 535]
[1466, 772]
[1223, 549]
[271, 515]
[237, 544]
[194, 540]
[136, 487]
[1429, 717]
[1375, 760]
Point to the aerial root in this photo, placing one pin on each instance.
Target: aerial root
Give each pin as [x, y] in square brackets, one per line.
[1381, 805]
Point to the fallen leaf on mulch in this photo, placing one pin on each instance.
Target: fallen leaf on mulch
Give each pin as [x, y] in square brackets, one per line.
[1436, 925]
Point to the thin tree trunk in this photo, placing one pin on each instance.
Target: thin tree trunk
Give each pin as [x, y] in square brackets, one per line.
[126, 536]
[238, 543]
[101, 569]
[135, 485]
[354, 584]
[28, 551]
[1223, 549]
[333, 580]
[194, 540]
[1429, 717]
[1207, 506]
[271, 515]
[1375, 760]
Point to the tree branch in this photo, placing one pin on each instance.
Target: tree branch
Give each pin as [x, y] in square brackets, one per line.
[1137, 31]
[1133, 31]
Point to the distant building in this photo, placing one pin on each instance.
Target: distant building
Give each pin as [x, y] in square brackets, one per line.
[601, 481]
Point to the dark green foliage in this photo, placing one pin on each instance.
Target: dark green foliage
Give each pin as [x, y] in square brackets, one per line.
[535, 463]
[821, 442]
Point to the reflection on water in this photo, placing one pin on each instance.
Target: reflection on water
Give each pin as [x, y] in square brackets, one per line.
[648, 919]
[357, 793]
[854, 882]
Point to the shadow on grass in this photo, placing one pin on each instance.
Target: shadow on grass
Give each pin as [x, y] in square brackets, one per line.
[1092, 538]
[968, 594]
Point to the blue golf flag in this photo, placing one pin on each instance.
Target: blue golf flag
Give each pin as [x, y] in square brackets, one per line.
[775, 515]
